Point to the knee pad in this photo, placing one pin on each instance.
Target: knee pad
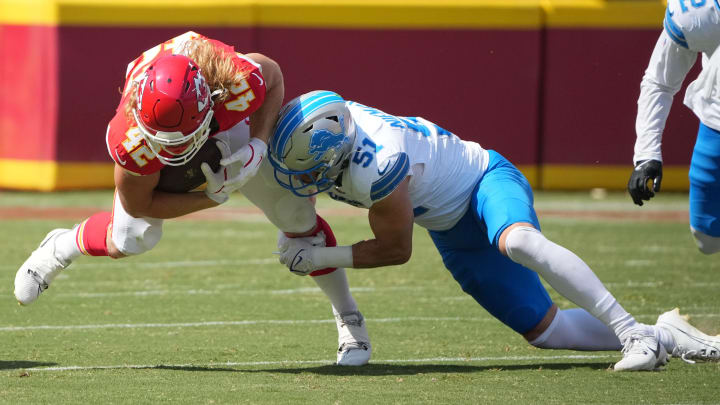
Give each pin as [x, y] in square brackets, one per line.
[706, 244]
[151, 237]
[139, 238]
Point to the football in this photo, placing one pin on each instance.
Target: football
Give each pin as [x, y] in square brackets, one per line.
[188, 177]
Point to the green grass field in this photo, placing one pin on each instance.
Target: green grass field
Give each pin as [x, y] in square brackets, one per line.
[209, 316]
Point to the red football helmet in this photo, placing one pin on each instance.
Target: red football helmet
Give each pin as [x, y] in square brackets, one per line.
[174, 109]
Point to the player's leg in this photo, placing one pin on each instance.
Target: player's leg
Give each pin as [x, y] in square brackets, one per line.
[705, 190]
[91, 237]
[514, 294]
[504, 202]
[296, 216]
[354, 348]
[572, 329]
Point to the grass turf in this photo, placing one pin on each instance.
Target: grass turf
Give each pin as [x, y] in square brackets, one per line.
[209, 316]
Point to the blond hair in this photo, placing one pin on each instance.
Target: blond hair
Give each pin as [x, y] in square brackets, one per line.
[216, 65]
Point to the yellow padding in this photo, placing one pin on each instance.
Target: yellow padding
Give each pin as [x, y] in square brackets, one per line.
[337, 13]
[49, 176]
[604, 13]
[585, 177]
[400, 13]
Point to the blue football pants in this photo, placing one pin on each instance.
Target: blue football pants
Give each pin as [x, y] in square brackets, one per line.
[705, 182]
[510, 292]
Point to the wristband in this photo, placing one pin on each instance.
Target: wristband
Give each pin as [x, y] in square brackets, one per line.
[338, 256]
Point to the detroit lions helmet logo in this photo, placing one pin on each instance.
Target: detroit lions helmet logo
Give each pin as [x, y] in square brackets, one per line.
[322, 140]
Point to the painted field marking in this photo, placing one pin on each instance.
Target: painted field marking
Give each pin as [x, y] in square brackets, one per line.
[315, 290]
[166, 264]
[330, 362]
[265, 322]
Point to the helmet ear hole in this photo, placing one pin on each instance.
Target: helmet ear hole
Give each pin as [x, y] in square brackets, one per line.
[308, 129]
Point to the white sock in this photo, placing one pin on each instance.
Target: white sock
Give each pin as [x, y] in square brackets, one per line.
[576, 329]
[66, 249]
[570, 277]
[335, 286]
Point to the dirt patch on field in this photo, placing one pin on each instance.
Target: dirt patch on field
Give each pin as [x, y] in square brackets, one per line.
[249, 213]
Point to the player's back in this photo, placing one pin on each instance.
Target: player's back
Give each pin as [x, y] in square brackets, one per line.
[694, 24]
[444, 168]
[125, 143]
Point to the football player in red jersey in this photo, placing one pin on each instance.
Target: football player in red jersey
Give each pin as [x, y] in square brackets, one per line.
[176, 96]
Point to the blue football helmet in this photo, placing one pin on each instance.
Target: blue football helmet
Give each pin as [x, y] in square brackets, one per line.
[311, 142]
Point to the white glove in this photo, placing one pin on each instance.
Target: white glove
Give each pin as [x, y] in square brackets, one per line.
[249, 157]
[216, 189]
[298, 257]
[297, 253]
[305, 255]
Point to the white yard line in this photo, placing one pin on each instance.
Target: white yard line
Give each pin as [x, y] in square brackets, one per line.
[97, 264]
[328, 362]
[264, 322]
[236, 290]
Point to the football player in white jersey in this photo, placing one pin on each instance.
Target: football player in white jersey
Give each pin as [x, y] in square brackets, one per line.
[690, 27]
[479, 211]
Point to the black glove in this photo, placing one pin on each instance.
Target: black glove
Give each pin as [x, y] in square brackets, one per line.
[637, 186]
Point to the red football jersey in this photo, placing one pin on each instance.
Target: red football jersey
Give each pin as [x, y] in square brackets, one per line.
[125, 143]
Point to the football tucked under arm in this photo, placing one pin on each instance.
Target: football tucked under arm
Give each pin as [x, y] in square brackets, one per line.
[188, 177]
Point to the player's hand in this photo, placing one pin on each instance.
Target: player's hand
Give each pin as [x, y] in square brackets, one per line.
[248, 158]
[644, 171]
[215, 189]
[298, 253]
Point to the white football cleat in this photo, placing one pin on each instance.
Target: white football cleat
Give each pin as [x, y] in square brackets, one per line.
[690, 343]
[39, 270]
[354, 343]
[642, 352]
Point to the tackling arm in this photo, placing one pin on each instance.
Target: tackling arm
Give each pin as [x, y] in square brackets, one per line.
[391, 221]
[140, 198]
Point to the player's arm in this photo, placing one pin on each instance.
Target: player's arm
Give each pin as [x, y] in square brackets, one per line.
[663, 78]
[666, 71]
[391, 220]
[140, 198]
[263, 119]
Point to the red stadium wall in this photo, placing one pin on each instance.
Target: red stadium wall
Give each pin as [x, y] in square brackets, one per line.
[553, 89]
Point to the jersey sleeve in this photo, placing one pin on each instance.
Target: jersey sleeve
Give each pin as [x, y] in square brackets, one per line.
[666, 71]
[245, 96]
[128, 149]
[393, 172]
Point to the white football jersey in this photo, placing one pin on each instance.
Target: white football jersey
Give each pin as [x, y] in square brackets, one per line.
[443, 168]
[690, 27]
